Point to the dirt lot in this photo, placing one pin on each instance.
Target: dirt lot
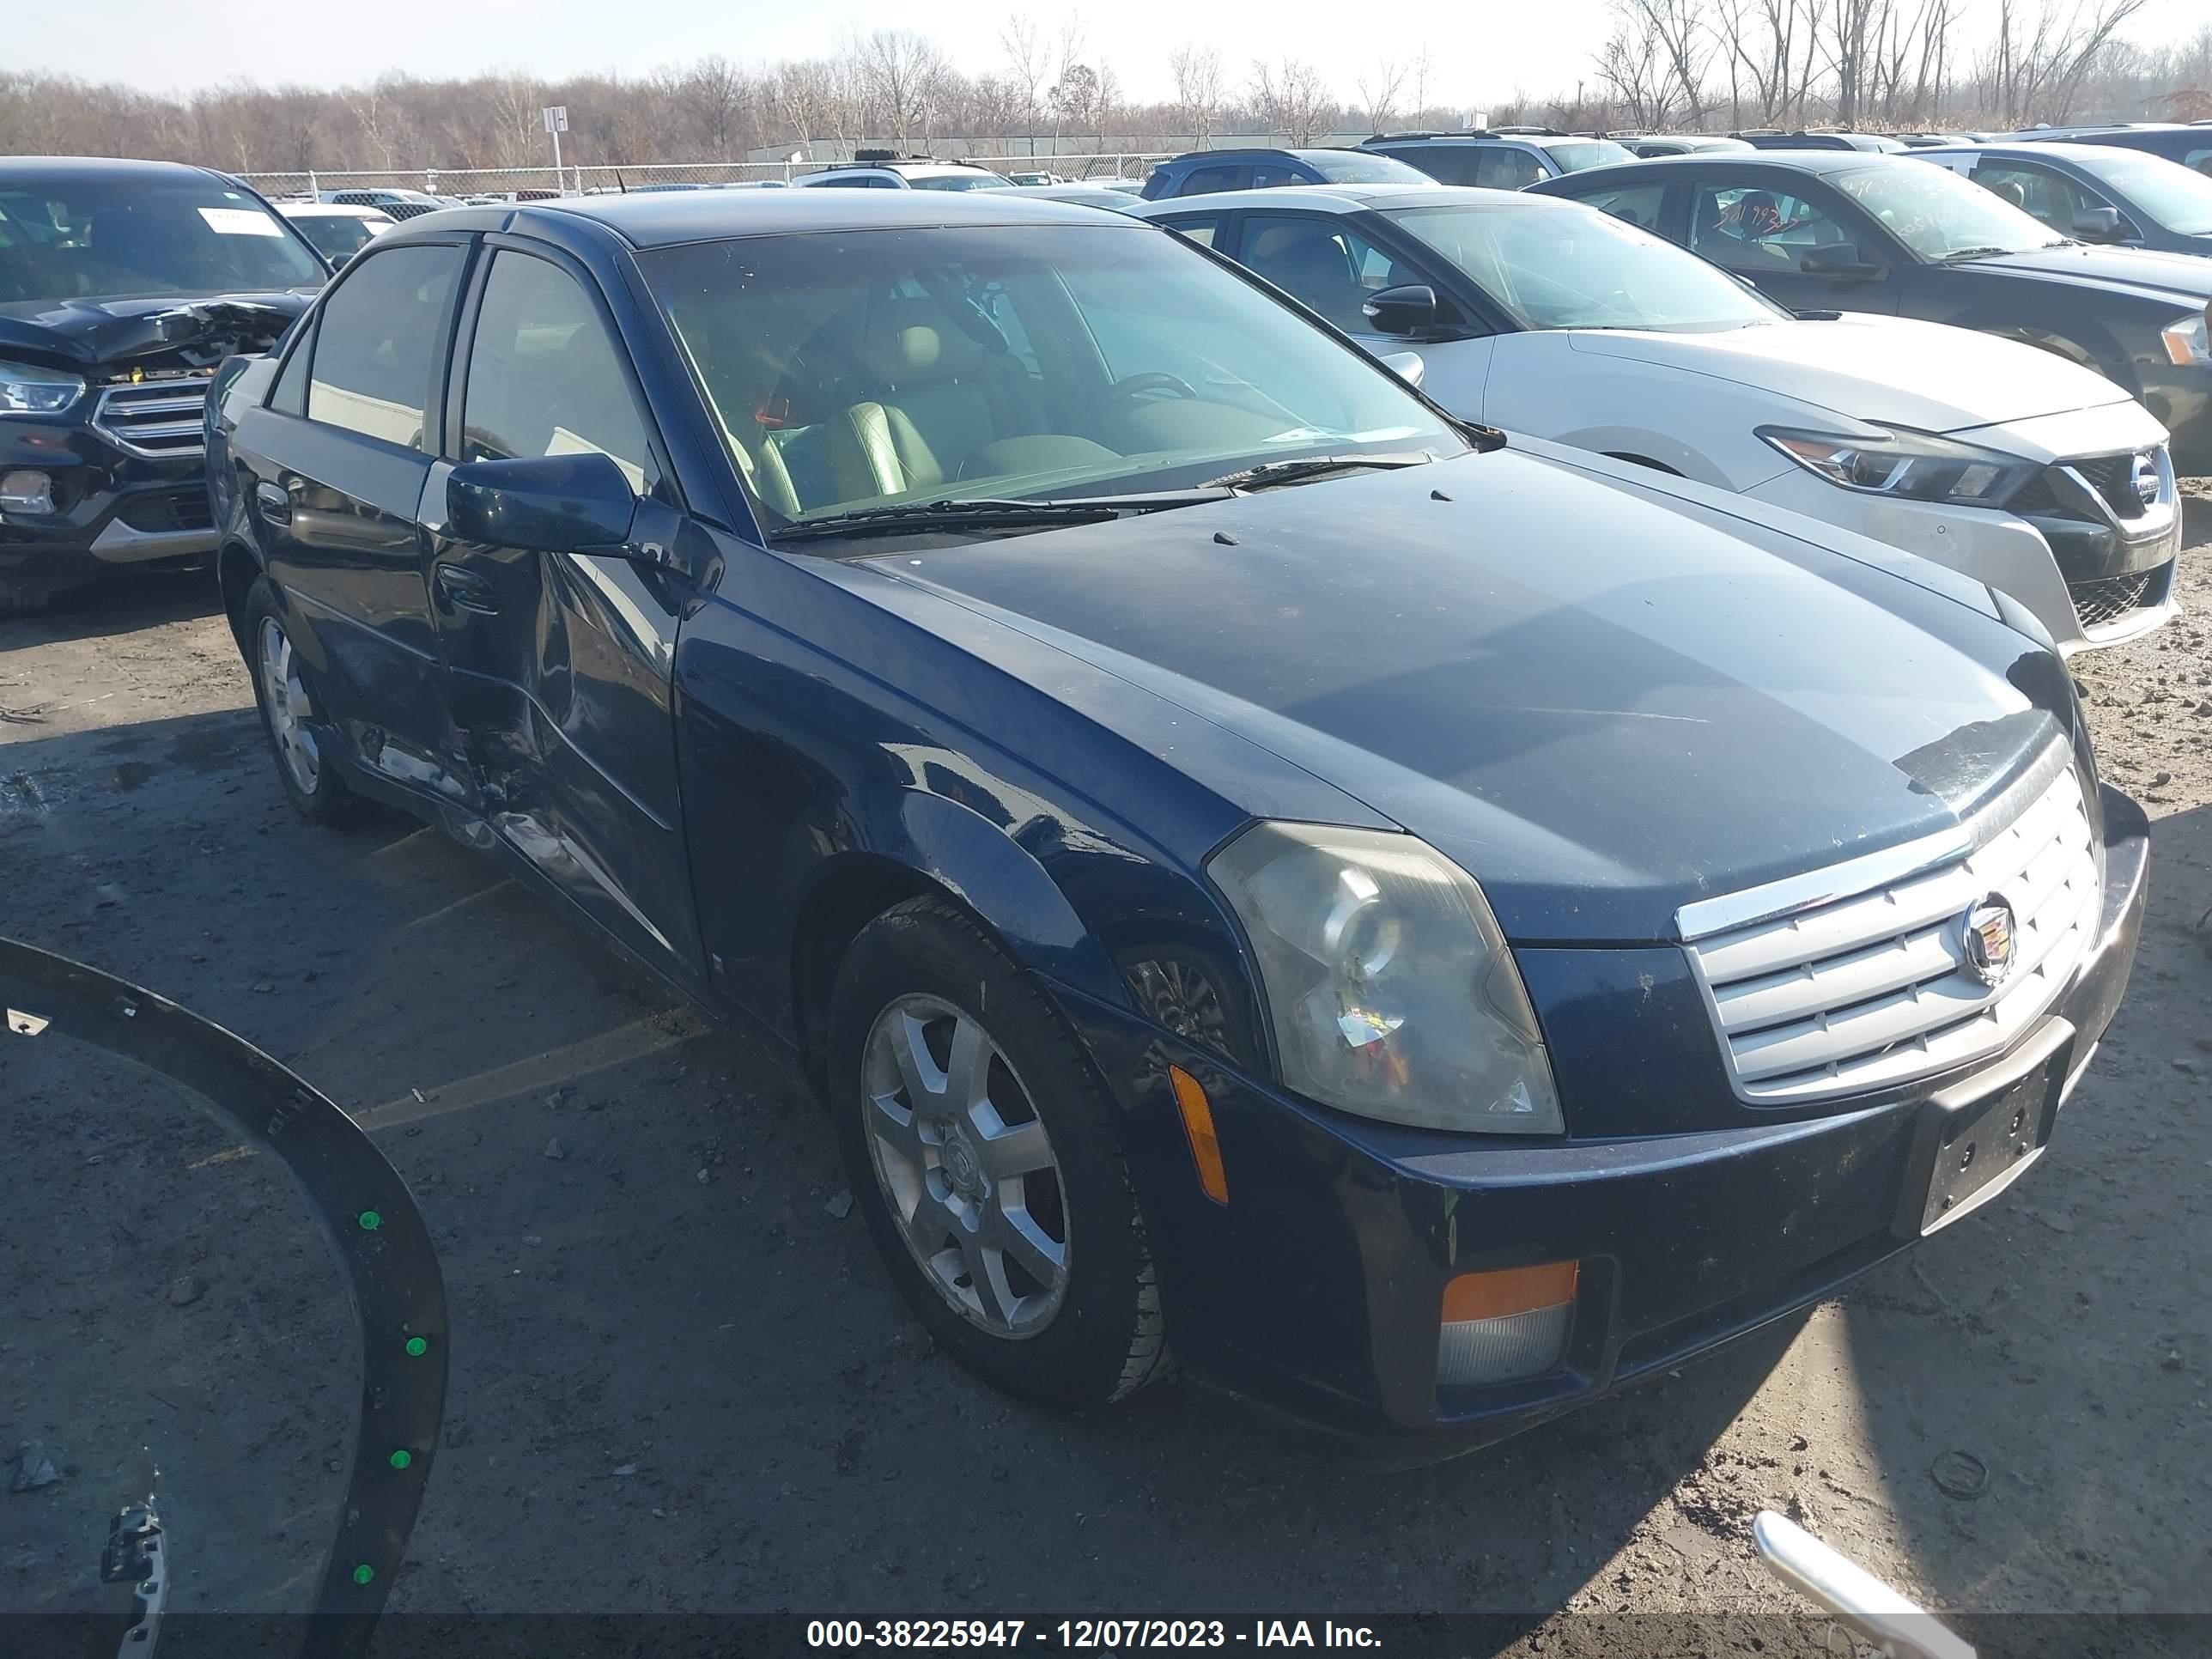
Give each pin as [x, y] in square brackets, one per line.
[682, 1382]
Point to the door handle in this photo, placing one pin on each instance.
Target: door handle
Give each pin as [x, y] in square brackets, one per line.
[464, 590]
[275, 505]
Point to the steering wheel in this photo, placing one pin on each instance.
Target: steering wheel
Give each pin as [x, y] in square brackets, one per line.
[1135, 385]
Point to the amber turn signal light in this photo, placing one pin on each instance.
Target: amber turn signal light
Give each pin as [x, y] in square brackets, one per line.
[1198, 1125]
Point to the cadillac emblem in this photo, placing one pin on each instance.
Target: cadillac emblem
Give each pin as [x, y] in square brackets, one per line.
[1987, 935]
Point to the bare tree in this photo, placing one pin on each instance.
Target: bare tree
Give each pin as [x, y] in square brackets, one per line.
[1379, 88]
[713, 91]
[1198, 90]
[899, 73]
[1029, 62]
[1291, 98]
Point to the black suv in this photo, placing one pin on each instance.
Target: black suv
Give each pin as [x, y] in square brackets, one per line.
[122, 285]
[1203, 172]
[1497, 158]
[1841, 230]
[2189, 143]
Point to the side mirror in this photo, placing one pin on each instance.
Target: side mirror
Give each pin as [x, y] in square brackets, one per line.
[541, 504]
[2098, 225]
[1410, 310]
[1838, 259]
[1407, 367]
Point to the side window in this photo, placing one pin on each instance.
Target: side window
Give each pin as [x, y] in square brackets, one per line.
[1757, 231]
[1321, 264]
[1198, 228]
[1505, 166]
[290, 395]
[371, 372]
[1200, 181]
[2050, 196]
[2199, 159]
[544, 377]
[1448, 164]
[1633, 204]
[1267, 175]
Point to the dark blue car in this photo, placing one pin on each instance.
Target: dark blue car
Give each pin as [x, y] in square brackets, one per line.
[1425, 931]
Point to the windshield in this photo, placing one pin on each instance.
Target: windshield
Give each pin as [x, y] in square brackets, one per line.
[854, 368]
[2170, 194]
[1553, 267]
[1593, 153]
[338, 235]
[1351, 166]
[978, 180]
[1940, 215]
[105, 238]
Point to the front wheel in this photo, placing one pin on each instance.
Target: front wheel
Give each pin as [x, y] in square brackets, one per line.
[983, 1155]
[22, 601]
[290, 716]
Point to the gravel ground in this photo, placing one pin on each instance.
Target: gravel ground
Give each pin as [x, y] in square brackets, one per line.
[682, 1382]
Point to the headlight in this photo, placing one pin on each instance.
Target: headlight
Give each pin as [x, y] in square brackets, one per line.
[1390, 988]
[1913, 465]
[2187, 342]
[25, 390]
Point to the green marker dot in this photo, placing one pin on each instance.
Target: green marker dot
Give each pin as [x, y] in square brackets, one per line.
[417, 1347]
[401, 1459]
[363, 1573]
[370, 1221]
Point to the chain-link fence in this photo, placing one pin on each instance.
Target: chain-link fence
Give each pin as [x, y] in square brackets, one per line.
[508, 184]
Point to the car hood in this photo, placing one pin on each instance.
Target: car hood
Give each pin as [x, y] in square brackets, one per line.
[196, 329]
[1599, 704]
[2185, 278]
[1882, 369]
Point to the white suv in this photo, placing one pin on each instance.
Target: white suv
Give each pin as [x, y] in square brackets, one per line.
[2006, 464]
[917, 173]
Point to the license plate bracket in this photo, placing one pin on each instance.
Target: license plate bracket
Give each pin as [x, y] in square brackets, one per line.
[1971, 1149]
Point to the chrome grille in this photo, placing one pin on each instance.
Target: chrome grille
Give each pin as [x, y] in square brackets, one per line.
[1869, 986]
[154, 418]
[2089, 489]
[2107, 598]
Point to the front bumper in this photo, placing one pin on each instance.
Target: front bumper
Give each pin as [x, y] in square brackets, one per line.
[1317, 1290]
[112, 508]
[2090, 584]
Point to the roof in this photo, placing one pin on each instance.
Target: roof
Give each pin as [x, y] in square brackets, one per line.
[1790, 161]
[2029, 150]
[1348, 198]
[329, 210]
[665, 218]
[100, 166]
[1234, 151]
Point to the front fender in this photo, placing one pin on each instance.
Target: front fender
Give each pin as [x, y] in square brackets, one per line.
[983, 864]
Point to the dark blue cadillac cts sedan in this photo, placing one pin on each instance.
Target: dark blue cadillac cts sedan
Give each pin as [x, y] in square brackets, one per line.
[1425, 930]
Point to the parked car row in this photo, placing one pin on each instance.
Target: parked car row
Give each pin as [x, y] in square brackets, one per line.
[2007, 465]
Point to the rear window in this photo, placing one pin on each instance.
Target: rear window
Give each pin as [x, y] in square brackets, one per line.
[92, 238]
[1587, 153]
[1351, 166]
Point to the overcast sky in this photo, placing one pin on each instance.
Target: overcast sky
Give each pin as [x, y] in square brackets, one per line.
[1483, 50]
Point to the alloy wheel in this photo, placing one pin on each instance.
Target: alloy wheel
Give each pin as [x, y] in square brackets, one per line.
[285, 697]
[966, 1166]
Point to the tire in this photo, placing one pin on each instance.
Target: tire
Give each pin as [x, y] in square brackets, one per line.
[923, 976]
[22, 602]
[288, 716]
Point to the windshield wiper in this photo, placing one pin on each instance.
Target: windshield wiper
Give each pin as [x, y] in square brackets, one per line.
[984, 514]
[1268, 474]
[1958, 254]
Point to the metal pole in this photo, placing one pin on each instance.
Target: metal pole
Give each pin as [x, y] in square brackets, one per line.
[558, 184]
